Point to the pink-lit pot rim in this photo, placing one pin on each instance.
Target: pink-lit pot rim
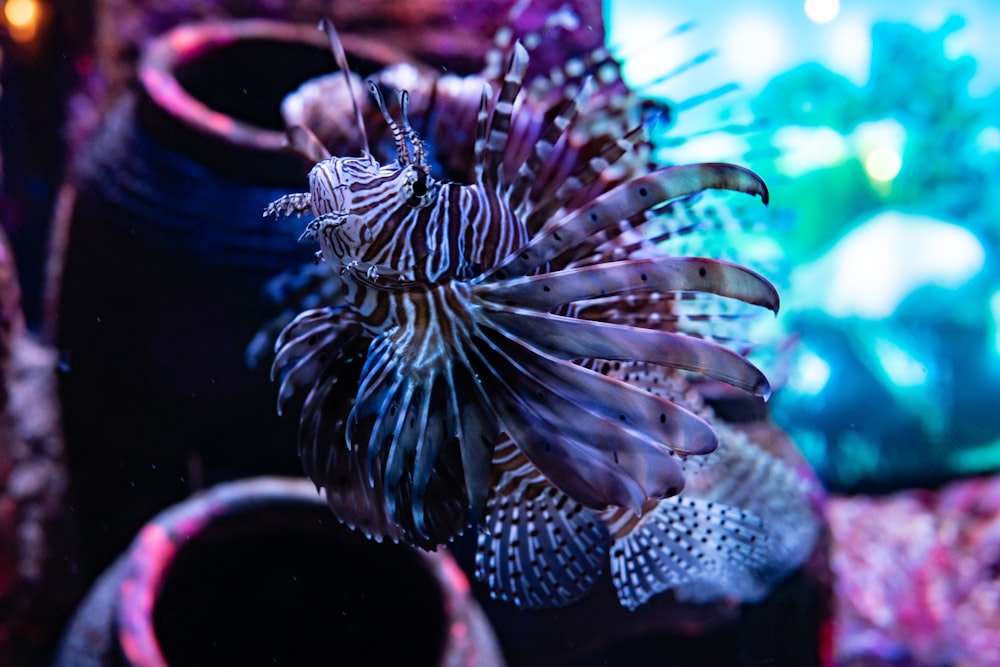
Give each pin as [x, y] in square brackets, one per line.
[188, 42]
[156, 546]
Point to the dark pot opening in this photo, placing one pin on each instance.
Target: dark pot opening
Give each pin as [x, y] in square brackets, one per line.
[248, 79]
[297, 589]
[214, 90]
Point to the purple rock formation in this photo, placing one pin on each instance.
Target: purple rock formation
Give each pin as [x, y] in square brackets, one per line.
[917, 576]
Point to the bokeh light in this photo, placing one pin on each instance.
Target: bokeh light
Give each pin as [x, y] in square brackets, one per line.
[756, 46]
[22, 18]
[805, 149]
[883, 164]
[884, 259]
[822, 11]
[899, 364]
[21, 13]
[810, 374]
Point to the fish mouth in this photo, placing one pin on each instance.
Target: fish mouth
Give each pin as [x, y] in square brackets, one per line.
[380, 278]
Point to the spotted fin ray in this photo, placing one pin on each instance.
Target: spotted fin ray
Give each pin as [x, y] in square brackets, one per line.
[751, 484]
[743, 474]
[600, 451]
[579, 232]
[666, 274]
[743, 521]
[571, 338]
[685, 541]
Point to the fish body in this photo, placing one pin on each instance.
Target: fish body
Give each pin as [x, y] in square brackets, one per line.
[459, 378]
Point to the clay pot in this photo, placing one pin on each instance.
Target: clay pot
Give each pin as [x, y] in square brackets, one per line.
[159, 260]
[450, 32]
[258, 572]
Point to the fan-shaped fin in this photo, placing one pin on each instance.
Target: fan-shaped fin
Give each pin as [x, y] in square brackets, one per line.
[703, 316]
[620, 204]
[354, 486]
[431, 439]
[310, 337]
[597, 439]
[653, 418]
[326, 407]
[308, 319]
[571, 338]
[405, 421]
[538, 548]
[475, 427]
[548, 290]
[383, 398]
[742, 474]
[328, 461]
[307, 345]
[416, 447]
[408, 441]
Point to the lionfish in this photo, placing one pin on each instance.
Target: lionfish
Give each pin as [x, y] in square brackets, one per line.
[502, 352]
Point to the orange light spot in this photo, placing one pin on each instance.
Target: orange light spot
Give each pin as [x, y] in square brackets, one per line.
[21, 14]
[23, 18]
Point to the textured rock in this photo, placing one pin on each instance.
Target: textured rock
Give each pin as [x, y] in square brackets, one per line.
[917, 576]
[34, 550]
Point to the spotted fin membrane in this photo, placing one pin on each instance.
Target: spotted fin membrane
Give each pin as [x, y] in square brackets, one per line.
[743, 522]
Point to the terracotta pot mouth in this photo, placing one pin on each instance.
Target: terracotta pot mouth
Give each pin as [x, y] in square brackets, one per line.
[226, 79]
[259, 570]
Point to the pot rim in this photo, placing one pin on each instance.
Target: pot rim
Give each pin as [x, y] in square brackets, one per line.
[156, 546]
[154, 550]
[187, 42]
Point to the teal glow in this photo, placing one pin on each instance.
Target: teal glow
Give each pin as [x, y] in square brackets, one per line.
[901, 367]
[884, 259]
[995, 320]
[810, 375]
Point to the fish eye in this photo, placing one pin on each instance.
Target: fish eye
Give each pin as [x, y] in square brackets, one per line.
[420, 185]
[419, 188]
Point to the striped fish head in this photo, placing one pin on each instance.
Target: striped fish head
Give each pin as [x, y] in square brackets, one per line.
[359, 202]
[330, 182]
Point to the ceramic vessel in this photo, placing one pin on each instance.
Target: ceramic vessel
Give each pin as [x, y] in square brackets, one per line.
[257, 572]
[158, 266]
